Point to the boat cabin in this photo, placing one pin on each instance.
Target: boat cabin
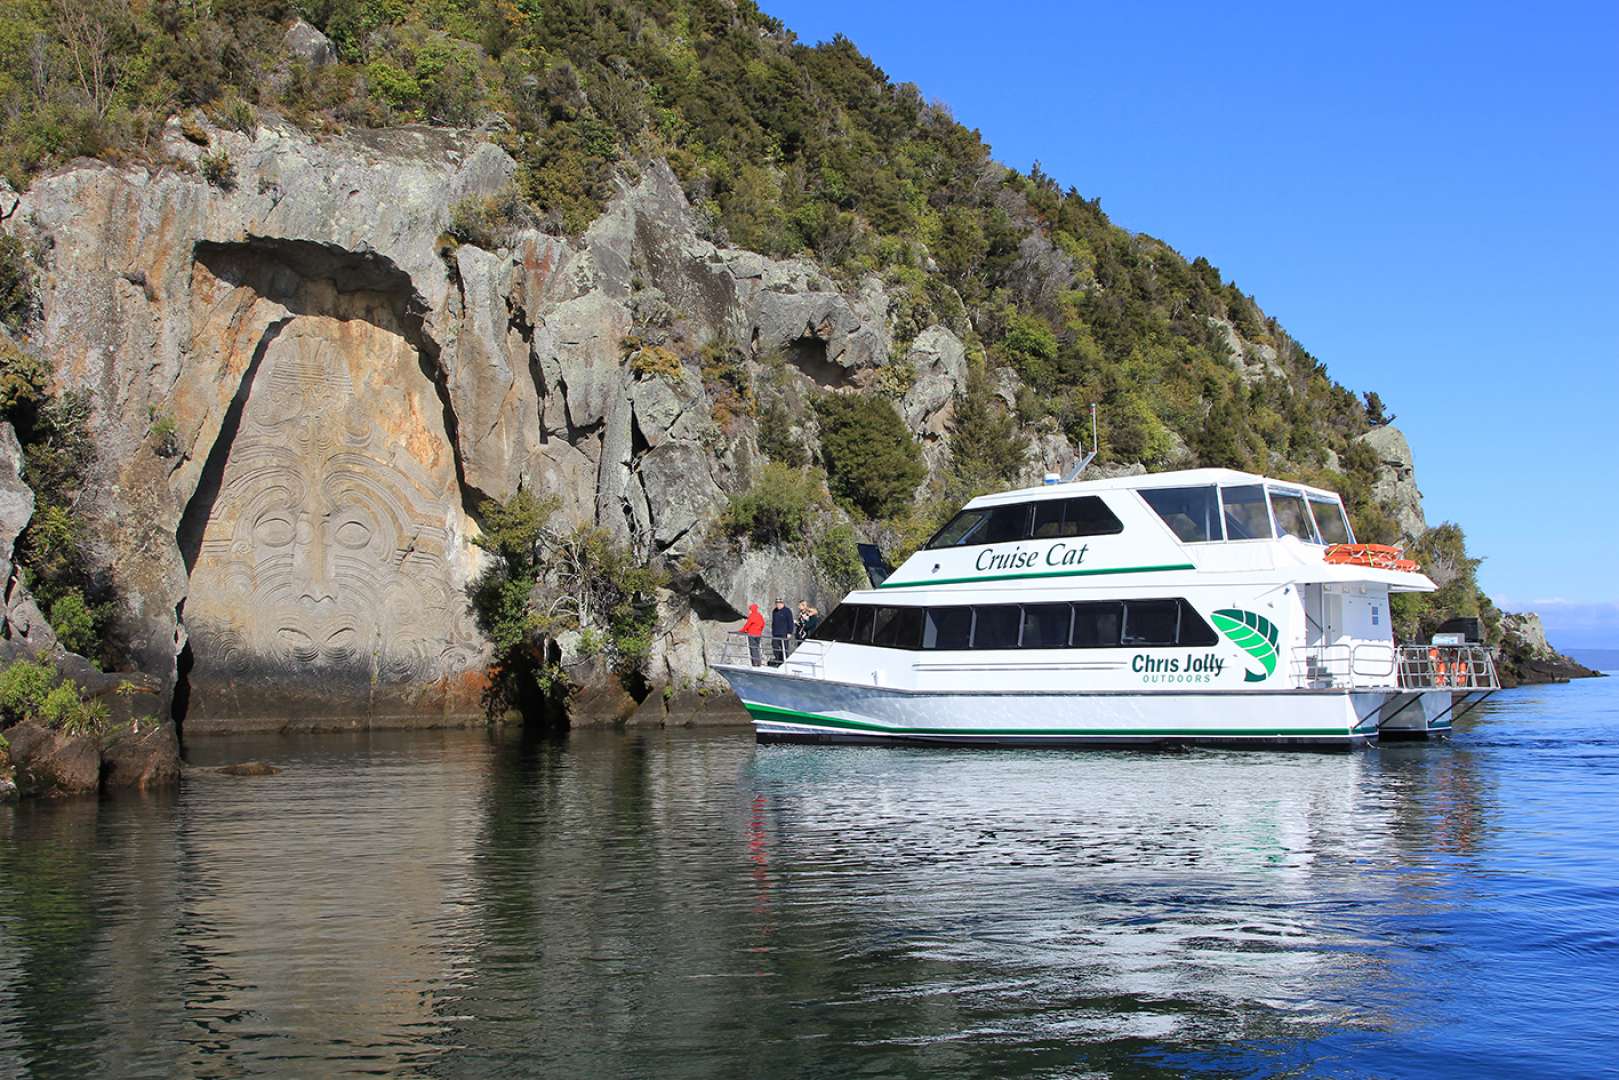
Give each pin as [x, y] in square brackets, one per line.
[1145, 567]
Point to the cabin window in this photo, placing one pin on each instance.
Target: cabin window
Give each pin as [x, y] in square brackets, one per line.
[1006, 524]
[1192, 513]
[898, 628]
[1292, 516]
[988, 525]
[838, 624]
[1246, 515]
[1045, 626]
[961, 530]
[1084, 516]
[1046, 519]
[1096, 626]
[1330, 521]
[1151, 622]
[948, 628]
[864, 617]
[1105, 624]
[996, 626]
[1194, 630]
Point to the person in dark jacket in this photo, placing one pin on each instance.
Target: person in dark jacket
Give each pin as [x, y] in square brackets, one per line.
[808, 620]
[753, 628]
[781, 630]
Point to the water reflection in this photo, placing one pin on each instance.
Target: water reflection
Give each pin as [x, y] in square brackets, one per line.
[462, 904]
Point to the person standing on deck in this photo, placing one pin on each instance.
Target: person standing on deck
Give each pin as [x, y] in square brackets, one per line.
[808, 620]
[781, 631]
[754, 627]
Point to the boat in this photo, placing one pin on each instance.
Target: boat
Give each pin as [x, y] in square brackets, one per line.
[1199, 606]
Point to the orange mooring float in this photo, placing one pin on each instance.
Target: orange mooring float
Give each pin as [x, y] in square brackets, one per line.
[1378, 556]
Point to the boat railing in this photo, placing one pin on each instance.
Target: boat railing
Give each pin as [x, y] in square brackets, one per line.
[764, 650]
[1461, 668]
[1332, 667]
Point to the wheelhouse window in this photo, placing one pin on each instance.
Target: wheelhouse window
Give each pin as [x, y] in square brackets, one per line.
[1042, 520]
[1292, 515]
[1246, 515]
[1192, 513]
[1084, 516]
[1330, 520]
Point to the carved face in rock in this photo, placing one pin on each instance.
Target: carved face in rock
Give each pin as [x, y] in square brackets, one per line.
[327, 545]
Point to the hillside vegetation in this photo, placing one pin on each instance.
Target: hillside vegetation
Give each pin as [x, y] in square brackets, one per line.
[785, 149]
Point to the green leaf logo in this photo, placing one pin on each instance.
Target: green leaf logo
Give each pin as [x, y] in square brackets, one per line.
[1254, 635]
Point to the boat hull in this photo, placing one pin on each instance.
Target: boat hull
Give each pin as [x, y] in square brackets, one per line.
[795, 708]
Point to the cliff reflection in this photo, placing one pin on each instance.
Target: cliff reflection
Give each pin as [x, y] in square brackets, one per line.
[462, 904]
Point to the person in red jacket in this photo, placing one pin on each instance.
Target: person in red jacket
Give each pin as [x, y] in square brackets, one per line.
[754, 627]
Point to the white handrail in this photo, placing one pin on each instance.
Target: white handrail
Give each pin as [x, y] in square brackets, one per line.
[1359, 664]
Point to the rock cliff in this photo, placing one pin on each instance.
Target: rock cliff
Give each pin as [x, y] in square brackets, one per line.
[1527, 657]
[341, 386]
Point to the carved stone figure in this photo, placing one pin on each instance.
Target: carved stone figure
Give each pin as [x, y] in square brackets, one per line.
[326, 570]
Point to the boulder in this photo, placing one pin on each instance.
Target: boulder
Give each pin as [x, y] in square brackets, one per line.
[52, 764]
[940, 362]
[681, 493]
[16, 499]
[724, 583]
[599, 698]
[143, 757]
[249, 768]
[1396, 483]
[303, 42]
[495, 401]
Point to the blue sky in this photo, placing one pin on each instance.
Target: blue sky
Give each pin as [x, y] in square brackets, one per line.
[1426, 196]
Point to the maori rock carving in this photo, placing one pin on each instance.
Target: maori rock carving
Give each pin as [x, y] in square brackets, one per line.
[331, 569]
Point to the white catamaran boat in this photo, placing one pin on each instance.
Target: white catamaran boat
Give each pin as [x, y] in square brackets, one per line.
[1201, 606]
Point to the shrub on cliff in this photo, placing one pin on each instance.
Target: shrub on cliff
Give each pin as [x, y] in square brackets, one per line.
[491, 222]
[542, 582]
[35, 693]
[779, 507]
[837, 558]
[1442, 554]
[872, 463]
[987, 448]
[24, 383]
[16, 282]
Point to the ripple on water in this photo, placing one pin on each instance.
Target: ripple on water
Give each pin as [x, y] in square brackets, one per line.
[691, 904]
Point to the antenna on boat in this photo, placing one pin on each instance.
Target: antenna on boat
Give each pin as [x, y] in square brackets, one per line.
[1085, 461]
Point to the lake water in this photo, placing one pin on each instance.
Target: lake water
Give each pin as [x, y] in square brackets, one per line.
[679, 904]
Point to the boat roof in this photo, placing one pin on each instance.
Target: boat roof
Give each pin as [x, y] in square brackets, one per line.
[1144, 481]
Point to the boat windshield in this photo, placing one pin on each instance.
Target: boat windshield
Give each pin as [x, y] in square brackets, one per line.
[1330, 520]
[1246, 515]
[1192, 513]
[1292, 515]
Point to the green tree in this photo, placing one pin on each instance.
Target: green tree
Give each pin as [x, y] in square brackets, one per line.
[779, 507]
[987, 449]
[514, 534]
[872, 463]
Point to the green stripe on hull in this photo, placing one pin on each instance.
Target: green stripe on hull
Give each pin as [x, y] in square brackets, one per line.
[1038, 574]
[773, 713]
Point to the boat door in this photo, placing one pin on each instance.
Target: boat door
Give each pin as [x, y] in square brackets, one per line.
[1319, 607]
